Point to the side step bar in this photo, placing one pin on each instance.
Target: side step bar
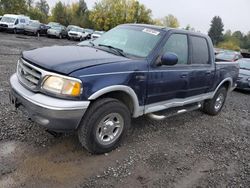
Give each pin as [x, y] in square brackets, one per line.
[174, 111]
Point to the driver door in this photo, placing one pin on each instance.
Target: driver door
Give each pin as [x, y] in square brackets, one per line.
[166, 83]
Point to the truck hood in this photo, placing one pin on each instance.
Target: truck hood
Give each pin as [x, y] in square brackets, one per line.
[67, 59]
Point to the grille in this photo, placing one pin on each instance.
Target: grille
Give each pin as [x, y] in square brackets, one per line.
[28, 75]
[3, 25]
[73, 34]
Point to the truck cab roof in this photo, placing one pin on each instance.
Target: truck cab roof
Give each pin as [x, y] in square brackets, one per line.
[164, 29]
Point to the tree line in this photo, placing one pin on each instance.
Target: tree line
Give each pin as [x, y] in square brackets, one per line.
[229, 40]
[107, 14]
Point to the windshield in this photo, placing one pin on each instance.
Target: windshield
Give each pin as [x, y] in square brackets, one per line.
[88, 30]
[77, 29]
[132, 41]
[58, 28]
[8, 19]
[244, 64]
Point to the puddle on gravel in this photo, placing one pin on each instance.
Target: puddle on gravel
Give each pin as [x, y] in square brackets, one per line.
[7, 148]
[63, 164]
[199, 170]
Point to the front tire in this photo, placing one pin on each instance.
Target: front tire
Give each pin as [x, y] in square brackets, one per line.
[214, 105]
[104, 126]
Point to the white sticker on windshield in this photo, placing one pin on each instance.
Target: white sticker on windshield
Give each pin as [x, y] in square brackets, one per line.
[151, 31]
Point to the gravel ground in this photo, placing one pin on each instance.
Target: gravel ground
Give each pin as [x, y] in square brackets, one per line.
[191, 150]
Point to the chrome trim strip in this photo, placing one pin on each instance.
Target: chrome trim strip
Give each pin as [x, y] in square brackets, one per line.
[138, 111]
[226, 63]
[47, 73]
[35, 74]
[176, 102]
[181, 102]
[129, 72]
[103, 74]
[46, 101]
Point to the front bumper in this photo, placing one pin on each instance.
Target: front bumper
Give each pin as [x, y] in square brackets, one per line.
[74, 37]
[7, 28]
[50, 33]
[52, 113]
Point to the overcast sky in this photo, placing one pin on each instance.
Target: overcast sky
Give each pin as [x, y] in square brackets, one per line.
[235, 14]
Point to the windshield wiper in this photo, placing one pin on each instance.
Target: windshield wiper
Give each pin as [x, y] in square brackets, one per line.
[120, 51]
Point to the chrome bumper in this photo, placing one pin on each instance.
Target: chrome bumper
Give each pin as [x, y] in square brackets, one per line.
[74, 36]
[53, 34]
[52, 113]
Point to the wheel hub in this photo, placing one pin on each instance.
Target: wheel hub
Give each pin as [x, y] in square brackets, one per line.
[219, 102]
[109, 128]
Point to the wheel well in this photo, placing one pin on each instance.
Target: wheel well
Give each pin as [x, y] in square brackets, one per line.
[121, 96]
[226, 84]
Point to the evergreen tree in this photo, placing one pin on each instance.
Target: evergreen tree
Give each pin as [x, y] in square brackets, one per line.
[216, 29]
[13, 6]
[29, 3]
[59, 13]
[43, 6]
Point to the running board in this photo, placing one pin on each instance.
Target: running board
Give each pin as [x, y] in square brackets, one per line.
[174, 111]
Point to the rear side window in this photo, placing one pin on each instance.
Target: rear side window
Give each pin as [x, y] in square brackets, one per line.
[200, 50]
[22, 20]
[178, 44]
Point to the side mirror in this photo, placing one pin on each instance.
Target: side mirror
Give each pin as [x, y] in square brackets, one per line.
[169, 58]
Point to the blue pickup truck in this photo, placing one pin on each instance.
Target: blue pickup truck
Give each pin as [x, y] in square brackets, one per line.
[96, 87]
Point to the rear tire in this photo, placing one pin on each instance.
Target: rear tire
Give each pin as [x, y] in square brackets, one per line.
[215, 105]
[104, 125]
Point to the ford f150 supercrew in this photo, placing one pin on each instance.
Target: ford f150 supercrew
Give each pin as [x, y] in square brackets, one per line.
[95, 87]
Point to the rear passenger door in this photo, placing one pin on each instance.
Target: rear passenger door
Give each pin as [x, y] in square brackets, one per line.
[203, 70]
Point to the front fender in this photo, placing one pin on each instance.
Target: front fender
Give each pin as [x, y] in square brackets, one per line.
[138, 111]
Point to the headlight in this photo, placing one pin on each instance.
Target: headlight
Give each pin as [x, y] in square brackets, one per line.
[62, 86]
[248, 79]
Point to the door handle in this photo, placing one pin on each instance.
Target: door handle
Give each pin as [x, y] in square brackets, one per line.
[208, 72]
[183, 75]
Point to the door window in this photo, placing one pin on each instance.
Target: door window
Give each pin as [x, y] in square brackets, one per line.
[200, 50]
[178, 44]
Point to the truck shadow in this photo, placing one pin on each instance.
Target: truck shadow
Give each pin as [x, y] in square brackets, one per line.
[242, 91]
